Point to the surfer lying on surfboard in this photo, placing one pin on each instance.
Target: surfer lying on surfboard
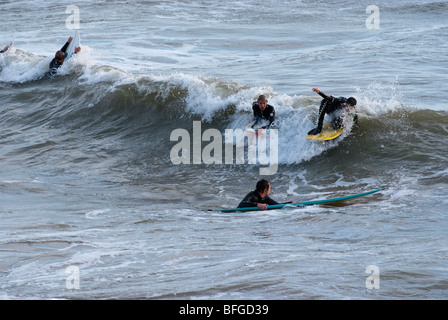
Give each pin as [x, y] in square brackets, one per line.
[60, 56]
[334, 107]
[259, 197]
[263, 111]
[291, 204]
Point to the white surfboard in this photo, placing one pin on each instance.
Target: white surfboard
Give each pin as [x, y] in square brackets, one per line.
[73, 45]
[257, 125]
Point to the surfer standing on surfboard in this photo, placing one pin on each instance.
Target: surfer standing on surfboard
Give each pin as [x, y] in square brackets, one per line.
[259, 197]
[263, 111]
[335, 107]
[60, 56]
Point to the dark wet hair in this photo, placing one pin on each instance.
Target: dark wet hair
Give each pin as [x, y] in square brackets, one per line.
[351, 101]
[262, 185]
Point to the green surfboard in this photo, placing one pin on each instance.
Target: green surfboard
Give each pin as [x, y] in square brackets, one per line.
[302, 204]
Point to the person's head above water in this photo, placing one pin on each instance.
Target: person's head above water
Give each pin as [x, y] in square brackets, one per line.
[59, 56]
[262, 102]
[352, 101]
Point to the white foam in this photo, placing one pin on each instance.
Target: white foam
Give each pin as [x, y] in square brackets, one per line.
[379, 98]
[95, 214]
[22, 66]
[207, 96]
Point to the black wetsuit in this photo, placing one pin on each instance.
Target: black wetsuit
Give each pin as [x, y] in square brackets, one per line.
[267, 114]
[253, 198]
[55, 65]
[328, 105]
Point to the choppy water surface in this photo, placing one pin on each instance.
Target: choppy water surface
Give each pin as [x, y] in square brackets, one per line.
[87, 182]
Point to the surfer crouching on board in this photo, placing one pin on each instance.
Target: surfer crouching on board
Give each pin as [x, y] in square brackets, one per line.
[259, 197]
[263, 111]
[60, 56]
[335, 107]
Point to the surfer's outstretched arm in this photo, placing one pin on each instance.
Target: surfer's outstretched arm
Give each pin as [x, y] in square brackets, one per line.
[65, 46]
[323, 95]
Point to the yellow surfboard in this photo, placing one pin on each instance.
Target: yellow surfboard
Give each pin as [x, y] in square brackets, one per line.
[328, 133]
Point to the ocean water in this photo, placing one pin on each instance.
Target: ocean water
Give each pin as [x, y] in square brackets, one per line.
[94, 207]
